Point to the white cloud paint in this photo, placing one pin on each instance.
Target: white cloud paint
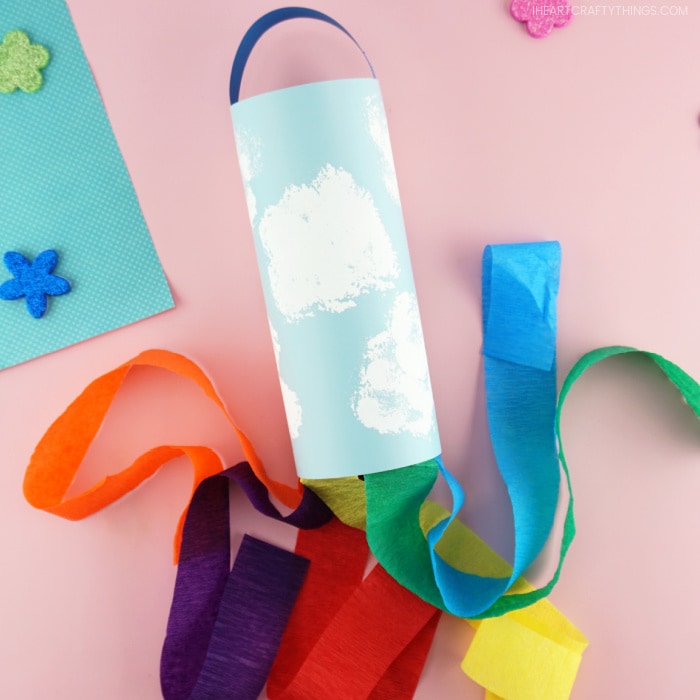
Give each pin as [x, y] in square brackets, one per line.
[394, 393]
[326, 246]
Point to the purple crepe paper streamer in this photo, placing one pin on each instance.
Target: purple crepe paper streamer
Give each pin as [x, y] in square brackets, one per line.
[258, 600]
[205, 556]
[204, 569]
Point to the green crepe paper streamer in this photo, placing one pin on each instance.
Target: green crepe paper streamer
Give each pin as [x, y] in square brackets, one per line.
[404, 551]
[394, 534]
[689, 389]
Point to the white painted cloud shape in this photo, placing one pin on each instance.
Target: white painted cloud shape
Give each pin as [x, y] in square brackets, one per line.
[326, 245]
[292, 405]
[394, 394]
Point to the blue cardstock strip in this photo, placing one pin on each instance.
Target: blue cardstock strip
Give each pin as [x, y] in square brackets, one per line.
[267, 21]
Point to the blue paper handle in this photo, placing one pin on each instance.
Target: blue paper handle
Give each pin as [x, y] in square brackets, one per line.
[253, 35]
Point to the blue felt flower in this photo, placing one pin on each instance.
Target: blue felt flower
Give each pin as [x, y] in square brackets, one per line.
[33, 280]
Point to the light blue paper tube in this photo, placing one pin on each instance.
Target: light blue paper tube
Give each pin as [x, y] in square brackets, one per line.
[324, 207]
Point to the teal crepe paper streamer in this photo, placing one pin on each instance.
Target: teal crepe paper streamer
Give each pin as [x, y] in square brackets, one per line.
[520, 287]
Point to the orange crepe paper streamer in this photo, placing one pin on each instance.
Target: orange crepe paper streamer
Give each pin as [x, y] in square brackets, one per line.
[60, 452]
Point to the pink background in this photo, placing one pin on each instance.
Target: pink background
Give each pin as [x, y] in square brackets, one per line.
[590, 136]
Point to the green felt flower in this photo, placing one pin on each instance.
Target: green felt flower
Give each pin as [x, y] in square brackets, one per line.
[20, 63]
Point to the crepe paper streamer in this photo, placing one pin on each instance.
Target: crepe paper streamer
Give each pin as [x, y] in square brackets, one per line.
[33, 280]
[345, 496]
[259, 596]
[338, 554]
[203, 570]
[21, 63]
[520, 287]
[382, 619]
[686, 385]
[541, 16]
[324, 208]
[57, 457]
[65, 186]
[538, 666]
[348, 637]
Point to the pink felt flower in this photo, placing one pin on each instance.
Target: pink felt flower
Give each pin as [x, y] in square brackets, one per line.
[541, 16]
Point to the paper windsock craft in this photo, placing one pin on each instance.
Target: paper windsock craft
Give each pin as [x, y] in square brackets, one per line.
[324, 208]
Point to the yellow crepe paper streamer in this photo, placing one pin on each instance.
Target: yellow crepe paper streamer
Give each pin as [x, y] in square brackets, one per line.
[542, 647]
[345, 496]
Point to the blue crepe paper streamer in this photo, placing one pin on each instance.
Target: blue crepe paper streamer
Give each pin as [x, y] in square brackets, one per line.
[520, 287]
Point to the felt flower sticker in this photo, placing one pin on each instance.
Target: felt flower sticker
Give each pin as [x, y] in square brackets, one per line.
[33, 280]
[20, 63]
[541, 16]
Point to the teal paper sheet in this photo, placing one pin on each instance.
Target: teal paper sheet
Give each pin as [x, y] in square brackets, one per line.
[64, 186]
